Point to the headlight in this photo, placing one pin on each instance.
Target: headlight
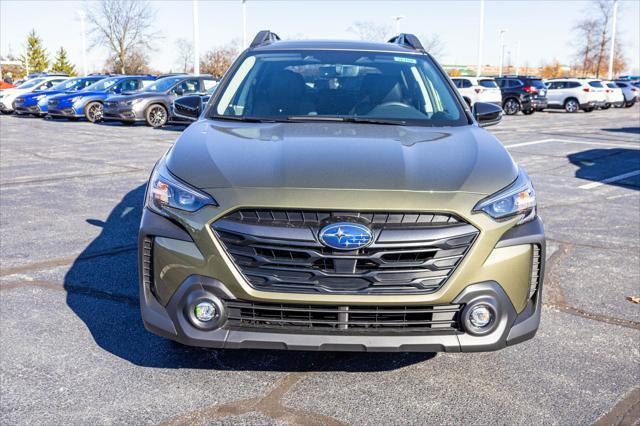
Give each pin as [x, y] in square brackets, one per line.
[164, 191]
[37, 98]
[519, 198]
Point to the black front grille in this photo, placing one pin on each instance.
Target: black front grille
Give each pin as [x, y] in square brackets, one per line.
[279, 250]
[343, 319]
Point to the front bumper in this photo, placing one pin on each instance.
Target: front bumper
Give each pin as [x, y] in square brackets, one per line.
[64, 112]
[32, 109]
[5, 107]
[504, 273]
[122, 113]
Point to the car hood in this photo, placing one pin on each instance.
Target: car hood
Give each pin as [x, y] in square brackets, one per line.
[43, 92]
[15, 91]
[217, 154]
[81, 93]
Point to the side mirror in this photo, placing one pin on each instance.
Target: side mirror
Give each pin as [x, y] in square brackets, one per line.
[188, 107]
[179, 91]
[486, 114]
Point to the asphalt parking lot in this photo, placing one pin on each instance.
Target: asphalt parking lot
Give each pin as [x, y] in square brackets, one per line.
[73, 349]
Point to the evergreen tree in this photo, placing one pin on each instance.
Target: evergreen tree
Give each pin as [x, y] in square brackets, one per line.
[36, 58]
[62, 63]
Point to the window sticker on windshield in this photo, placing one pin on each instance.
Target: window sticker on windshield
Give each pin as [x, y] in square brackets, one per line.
[407, 60]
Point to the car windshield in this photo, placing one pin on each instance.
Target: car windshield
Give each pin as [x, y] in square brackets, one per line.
[595, 84]
[538, 84]
[103, 85]
[163, 84]
[30, 83]
[358, 86]
[488, 83]
[70, 84]
[612, 85]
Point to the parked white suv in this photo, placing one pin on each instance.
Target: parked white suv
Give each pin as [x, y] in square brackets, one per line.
[478, 89]
[614, 95]
[573, 94]
[7, 96]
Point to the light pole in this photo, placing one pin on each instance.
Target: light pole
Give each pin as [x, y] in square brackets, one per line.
[244, 24]
[84, 42]
[613, 38]
[501, 32]
[398, 19]
[518, 58]
[196, 39]
[480, 40]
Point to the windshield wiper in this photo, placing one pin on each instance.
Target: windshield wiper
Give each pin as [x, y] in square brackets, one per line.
[348, 119]
[375, 121]
[246, 119]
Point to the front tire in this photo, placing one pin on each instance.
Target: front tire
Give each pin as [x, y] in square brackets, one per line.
[6, 112]
[511, 106]
[589, 109]
[606, 106]
[629, 104]
[528, 111]
[156, 116]
[93, 111]
[571, 105]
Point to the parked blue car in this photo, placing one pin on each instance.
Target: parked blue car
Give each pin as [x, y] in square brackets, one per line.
[35, 103]
[88, 103]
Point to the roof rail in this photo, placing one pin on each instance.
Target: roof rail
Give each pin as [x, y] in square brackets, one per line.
[264, 37]
[408, 40]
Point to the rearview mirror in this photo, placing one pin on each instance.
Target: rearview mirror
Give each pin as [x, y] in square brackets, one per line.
[188, 107]
[486, 114]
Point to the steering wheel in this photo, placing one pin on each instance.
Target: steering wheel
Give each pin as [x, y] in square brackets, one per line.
[395, 103]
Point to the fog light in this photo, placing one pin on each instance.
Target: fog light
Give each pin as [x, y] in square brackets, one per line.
[481, 316]
[205, 311]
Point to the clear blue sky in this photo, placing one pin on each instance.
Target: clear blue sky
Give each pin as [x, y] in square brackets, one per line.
[543, 28]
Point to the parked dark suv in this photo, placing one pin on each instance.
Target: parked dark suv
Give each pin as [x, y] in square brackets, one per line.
[153, 103]
[521, 93]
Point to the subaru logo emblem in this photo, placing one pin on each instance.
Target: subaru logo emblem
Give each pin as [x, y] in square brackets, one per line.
[346, 236]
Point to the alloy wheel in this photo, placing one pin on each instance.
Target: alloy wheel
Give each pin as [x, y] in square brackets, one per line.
[94, 112]
[571, 106]
[157, 116]
[511, 107]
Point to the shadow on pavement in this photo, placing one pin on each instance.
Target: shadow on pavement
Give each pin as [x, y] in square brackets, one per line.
[601, 164]
[102, 290]
[633, 130]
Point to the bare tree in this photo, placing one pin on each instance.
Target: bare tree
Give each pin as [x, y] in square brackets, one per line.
[433, 44]
[184, 50]
[125, 28]
[593, 37]
[367, 30]
[217, 60]
[586, 36]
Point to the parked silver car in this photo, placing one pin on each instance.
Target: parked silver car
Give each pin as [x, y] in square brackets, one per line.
[630, 92]
[152, 104]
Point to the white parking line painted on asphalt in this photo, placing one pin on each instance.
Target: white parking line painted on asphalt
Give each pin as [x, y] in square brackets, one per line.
[609, 180]
[618, 145]
[515, 145]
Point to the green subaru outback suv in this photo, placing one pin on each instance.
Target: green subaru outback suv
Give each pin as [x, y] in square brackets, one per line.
[340, 195]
